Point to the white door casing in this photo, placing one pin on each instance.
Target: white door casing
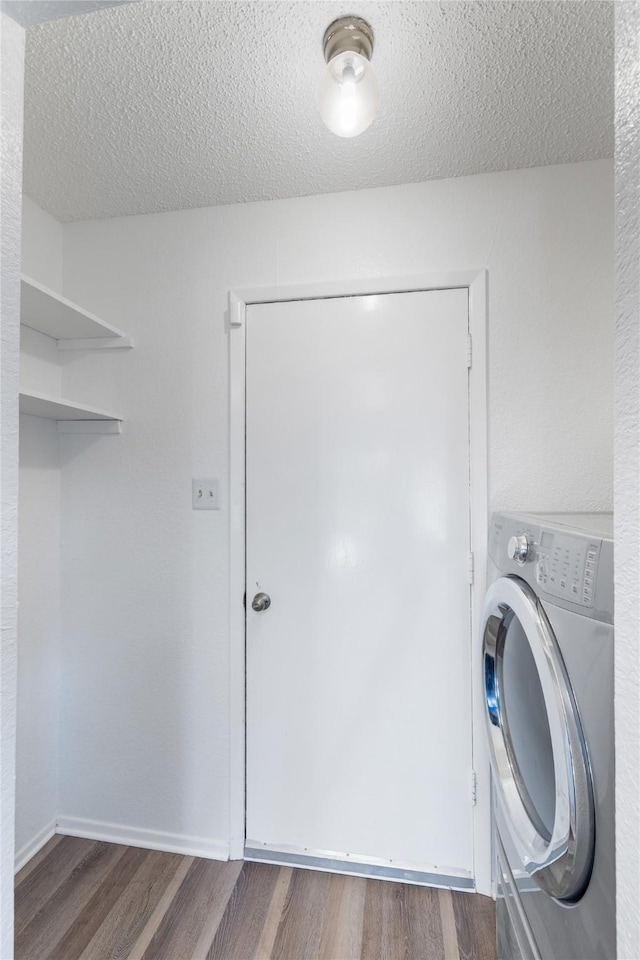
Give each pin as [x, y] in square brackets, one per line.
[341, 554]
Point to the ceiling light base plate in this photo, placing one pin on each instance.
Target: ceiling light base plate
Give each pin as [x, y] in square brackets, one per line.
[348, 33]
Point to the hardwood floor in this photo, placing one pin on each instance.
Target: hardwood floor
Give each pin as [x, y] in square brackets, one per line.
[101, 901]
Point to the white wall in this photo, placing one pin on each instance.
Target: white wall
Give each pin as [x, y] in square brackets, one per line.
[41, 245]
[39, 558]
[144, 728]
[12, 58]
[627, 493]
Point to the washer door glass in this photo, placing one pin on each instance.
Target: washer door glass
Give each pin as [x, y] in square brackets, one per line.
[526, 726]
[538, 755]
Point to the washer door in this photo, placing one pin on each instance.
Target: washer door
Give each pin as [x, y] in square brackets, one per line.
[538, 754]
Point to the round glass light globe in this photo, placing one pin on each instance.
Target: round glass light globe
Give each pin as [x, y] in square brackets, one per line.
[348, 94]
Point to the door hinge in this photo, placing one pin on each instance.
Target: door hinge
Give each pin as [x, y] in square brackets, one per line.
[471, 567]
[469, 350]
[236, 310]
[474, 788]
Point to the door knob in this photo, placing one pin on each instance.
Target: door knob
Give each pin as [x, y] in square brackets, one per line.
[261, 601]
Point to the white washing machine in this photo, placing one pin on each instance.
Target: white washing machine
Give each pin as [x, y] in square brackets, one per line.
[548, 676]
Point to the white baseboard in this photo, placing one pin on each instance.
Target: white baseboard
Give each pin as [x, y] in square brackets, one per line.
[29, 849]
[139, 837]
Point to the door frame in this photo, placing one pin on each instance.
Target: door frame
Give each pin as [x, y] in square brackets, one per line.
[475, 281]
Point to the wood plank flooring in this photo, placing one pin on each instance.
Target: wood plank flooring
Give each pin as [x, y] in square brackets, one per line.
[86, 900]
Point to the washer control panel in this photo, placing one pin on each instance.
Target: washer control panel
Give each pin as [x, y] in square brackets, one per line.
[566, 559]
[566, 567]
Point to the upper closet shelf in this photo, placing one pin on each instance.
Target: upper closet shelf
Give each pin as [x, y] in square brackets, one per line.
[73, 328]
[72, 417]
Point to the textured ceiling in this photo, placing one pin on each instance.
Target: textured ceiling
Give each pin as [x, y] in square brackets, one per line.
[160, 106]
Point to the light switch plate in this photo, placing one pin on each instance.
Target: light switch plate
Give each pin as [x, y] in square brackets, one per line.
[205, 493]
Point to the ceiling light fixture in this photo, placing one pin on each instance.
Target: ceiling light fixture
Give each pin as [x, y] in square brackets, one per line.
[349, 88]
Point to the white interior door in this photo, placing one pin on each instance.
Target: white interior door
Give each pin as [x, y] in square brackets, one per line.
[358, 673]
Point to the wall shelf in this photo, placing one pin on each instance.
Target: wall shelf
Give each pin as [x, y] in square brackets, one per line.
[73, 327]
[76, 417]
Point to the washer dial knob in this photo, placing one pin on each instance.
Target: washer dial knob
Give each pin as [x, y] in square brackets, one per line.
[519, 548]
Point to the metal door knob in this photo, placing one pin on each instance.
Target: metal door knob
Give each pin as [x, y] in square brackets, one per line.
[261, 601]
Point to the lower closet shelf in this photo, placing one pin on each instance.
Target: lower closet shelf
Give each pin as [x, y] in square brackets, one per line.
[72, 417]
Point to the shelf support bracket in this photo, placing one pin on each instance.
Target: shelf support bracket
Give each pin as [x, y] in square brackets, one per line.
[97, 343]
[102, 427]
